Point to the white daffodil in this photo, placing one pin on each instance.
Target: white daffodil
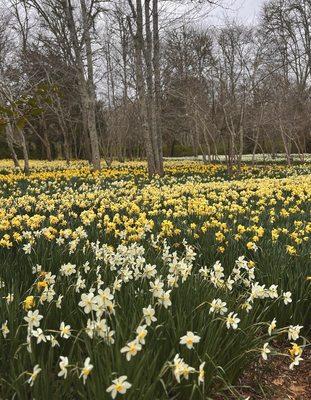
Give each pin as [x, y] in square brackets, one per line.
[33, 319]
[189, 339]
[68, 269]
[272, 291]
[232, 320]
[265, 351]
[88, 302]
[164, 299]
[54, 342]
[218, 307]
[86, 370]
[272, 326]
[27, 248]
[201, 373]
[9, 298]
[65, 330]
[149, 315]
[295, 362]
[119, 386]
[105, 297]
[4, 329]
[141, 334]
[63, 364]
[156, 288]
[294, 332]
[39, 334]
[33, 374]
[59, 301]
[131, 349]
[287, 298]
[181, 369]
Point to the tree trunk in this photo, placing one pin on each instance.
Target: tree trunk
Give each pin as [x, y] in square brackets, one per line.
[46, 141]
[207, 146]
[241, 146]
[157, 86]
[90, 100]
[144, 115]
[150, 103]
[203, 154]
[255, 147]
[141, 89]
[86, 88]
[85, 135]
[9, 138]
[148, 80]
[286, 146]
[24, 149]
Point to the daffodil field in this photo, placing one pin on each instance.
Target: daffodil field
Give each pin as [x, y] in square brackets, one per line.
[117, 286]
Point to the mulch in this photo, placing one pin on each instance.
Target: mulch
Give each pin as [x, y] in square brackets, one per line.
[274, 380]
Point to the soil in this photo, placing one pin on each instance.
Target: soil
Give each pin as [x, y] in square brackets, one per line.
[273, 380]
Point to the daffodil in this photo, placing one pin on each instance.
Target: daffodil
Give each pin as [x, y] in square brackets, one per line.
[232, 320]
[86, 369]
[295, 362]
[131, 349]
[201, 375]
[29, 302]
[218, 306]
[149, 315]
[189, 339]
[287, 298]
[119, 386]
[63, 365]
[4, 329]
[88, 302]
[39, 334]
[33, 319]
[265, 351]
[141, 332]
[33, 374]
[65, 330]
[294, 332]
[272, 326]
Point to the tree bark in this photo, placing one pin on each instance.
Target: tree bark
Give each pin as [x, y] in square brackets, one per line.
[157, 85]
[86, 87]
[141, 88]
[24, 149]
[46, 141]
[9, 138]
[148, 81]
[90, 100]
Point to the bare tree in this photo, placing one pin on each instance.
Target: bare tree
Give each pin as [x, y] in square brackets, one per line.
[60, 19]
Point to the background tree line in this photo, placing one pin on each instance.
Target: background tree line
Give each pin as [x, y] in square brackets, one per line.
[123, 79]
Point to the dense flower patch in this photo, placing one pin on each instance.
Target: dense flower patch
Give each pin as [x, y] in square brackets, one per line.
[116, 286]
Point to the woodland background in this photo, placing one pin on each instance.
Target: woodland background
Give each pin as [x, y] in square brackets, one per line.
[125, 79]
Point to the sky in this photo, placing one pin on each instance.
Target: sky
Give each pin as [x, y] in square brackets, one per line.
[243, 10]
